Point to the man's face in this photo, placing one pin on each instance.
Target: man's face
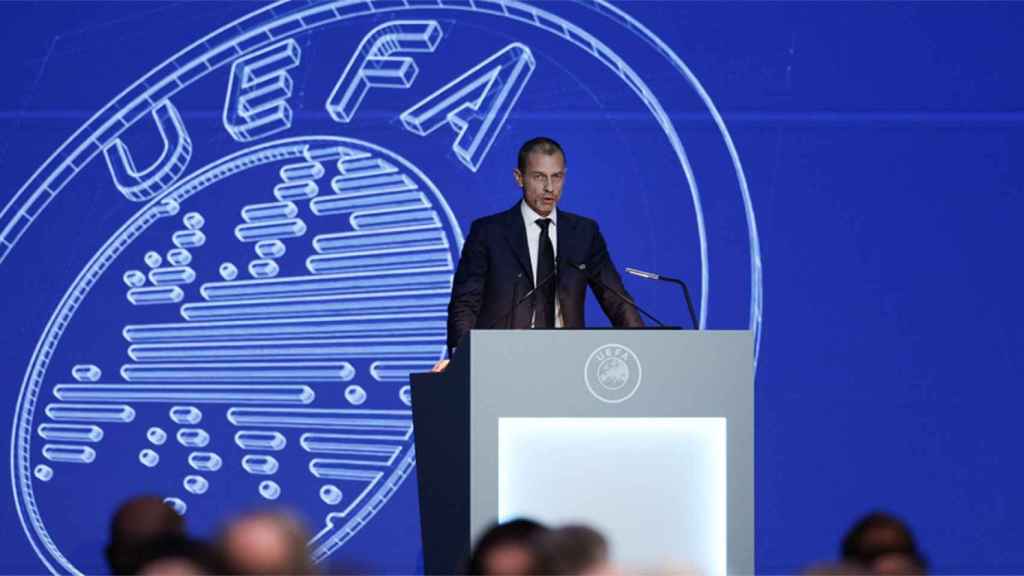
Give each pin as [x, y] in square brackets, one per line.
[542, 181]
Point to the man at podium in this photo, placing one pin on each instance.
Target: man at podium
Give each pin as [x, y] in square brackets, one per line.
[529, 266]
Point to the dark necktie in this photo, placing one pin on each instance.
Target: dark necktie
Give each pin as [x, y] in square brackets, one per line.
[544, 300]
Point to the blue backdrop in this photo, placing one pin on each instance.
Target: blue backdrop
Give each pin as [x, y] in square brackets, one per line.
[199, 195]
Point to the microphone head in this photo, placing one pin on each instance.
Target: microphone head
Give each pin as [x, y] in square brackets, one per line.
[643, 274]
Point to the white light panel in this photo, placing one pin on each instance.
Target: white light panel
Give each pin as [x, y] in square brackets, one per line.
[656, 487]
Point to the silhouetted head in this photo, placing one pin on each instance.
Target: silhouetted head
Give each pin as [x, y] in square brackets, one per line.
[883, 544]
[177, 556]
[136, 524]
[506, 549]
[266, 543]
[572, 549]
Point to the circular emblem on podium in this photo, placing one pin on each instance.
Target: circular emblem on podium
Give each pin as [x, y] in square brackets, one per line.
[613, 373]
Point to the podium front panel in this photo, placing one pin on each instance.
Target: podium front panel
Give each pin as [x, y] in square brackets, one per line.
[565, 384]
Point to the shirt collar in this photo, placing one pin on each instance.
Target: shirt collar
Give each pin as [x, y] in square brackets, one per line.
[530, 217]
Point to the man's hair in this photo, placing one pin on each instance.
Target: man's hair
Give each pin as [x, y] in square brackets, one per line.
[178, 547]
[541, 144]
[519, 532]
[878, 534]
[572, 549]
[135, 524]
[288, 528]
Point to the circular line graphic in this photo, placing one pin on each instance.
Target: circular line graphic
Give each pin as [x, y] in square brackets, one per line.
[168, 206]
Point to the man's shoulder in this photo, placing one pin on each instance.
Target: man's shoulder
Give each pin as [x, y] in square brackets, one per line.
[492, 220]
[576, 220]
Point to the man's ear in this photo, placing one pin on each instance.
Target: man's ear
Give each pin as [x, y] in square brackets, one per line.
[518, 176]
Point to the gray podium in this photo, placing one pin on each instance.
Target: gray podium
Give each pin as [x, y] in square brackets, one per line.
[647, 435]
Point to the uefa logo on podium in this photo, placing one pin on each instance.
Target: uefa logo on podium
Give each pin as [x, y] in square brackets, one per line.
[613, 373]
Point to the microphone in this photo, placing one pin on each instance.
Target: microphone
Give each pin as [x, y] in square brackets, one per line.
[663, 278]
[583, 269]
[507, 316]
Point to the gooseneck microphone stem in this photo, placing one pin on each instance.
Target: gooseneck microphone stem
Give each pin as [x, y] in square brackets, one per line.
[663, 278]
[689, 301]
[597, 278]
[515, 298]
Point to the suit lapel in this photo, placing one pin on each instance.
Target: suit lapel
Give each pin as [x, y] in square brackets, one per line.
[515, 234]
[566, 235]
[566, 244]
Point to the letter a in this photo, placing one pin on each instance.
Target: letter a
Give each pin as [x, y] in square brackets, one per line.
[475, 104]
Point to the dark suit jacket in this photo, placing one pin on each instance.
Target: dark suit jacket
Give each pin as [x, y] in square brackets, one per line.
[495, 271]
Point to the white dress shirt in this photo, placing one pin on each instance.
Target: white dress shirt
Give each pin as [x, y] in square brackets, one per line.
[533, 241]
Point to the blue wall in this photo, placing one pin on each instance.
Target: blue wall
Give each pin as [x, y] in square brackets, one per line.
[878, 144]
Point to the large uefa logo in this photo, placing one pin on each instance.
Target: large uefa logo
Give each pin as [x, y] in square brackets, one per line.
[244, 335]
